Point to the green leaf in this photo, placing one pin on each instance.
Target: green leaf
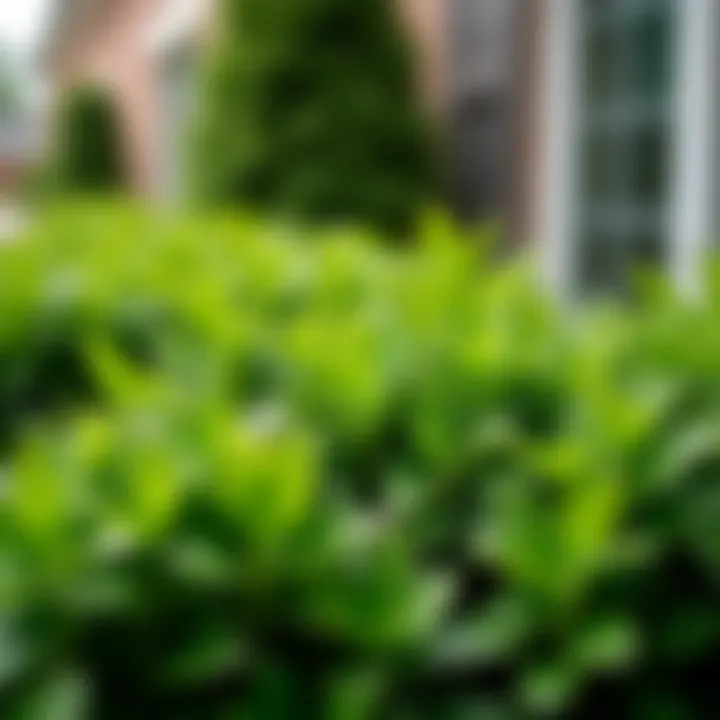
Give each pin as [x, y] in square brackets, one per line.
[493, 634]
[609, 644]
[64, 696]
[548, 689]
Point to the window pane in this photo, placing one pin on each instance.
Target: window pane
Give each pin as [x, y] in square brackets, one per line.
[649, 50]
[598, 261]
[647, 182]
[603, 160]
[604, 65]
[625, 137]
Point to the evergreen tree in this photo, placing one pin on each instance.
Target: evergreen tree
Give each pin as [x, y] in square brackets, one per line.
[89, 152]
[310, 110]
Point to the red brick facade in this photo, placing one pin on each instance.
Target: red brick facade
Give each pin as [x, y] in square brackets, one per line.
[110, 45]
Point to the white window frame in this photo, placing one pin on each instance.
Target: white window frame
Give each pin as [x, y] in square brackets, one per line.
[694, 171]
[692, 147]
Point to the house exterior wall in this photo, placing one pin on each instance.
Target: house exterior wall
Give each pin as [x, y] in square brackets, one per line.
[111, 47]
[533, 187]
[514, 69]
[13, 174]
[428, 22]
[530, 108]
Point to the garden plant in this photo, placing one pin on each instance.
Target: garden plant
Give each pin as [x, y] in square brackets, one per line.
[252, 471]
[89, 153]
[311, 109]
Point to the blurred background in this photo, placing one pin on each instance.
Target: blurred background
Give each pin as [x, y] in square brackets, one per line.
[22, 107]
[583, 129]
[466, 66]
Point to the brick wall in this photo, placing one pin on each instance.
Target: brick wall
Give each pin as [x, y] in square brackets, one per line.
[428, 24]
[110, 46]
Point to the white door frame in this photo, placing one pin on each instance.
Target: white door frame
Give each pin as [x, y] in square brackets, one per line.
[692, 150]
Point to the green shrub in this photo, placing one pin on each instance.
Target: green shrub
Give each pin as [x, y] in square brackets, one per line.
[245, 475]
[309, 110]
[89, 155]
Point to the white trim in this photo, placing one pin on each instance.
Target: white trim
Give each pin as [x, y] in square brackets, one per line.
[179, 22]
[692, 168]
[558, 145]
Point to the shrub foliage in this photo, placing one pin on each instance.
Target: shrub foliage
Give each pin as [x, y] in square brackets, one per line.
[245, 475]
[89, 156]
[309, 109]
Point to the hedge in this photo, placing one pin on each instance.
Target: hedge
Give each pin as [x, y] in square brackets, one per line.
[250, 471]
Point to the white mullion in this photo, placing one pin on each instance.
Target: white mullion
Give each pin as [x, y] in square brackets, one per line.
[692, 167]
[558, 199]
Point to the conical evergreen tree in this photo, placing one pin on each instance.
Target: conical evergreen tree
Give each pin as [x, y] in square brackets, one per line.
[310, 110]
[89, 153]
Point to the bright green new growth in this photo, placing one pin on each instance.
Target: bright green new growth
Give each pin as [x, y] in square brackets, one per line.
[248, 470]
[89, 155]
[309, 110]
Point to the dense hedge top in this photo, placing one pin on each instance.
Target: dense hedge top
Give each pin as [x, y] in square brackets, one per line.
[252, 473]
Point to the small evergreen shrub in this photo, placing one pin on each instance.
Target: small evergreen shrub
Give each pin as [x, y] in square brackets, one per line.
[89, 153]
[309, 110]
[247, 475]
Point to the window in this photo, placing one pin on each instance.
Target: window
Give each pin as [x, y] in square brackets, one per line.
[625, 135]
[628, 174]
